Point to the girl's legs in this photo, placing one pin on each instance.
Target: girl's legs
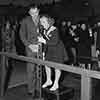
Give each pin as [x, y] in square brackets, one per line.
[56, 82]
[48, 77]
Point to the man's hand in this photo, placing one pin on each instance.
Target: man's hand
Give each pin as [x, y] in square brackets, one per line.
[34, 47]
[41, 40]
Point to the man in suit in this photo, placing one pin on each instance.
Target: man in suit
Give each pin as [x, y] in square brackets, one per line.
[29, 31]
[98, 42]
[98, 38]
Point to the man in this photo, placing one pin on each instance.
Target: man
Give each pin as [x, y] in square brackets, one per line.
[29, 32]
[98, 42]
[98, 39]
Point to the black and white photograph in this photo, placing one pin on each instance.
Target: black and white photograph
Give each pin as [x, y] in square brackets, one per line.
[49, 50]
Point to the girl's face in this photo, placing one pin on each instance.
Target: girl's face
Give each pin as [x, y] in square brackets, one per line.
[44, 22]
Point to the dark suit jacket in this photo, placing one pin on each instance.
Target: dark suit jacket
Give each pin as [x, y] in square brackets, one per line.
[28, 31]
[98, 39]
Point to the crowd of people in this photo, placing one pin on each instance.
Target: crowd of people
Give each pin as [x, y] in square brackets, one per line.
[9, 28]
[63, 42]
[78, 39]
[81, 40]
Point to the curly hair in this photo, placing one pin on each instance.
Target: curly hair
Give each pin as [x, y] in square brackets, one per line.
[50, 20]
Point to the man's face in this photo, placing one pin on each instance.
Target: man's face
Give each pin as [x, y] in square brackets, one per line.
[83, 26]
[63, 23]
[69, 23]
[34, 12]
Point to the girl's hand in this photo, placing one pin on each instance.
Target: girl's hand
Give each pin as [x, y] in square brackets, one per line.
[41, 40]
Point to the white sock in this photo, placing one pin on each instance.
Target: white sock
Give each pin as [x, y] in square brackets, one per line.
[56, 82]
[48, 75]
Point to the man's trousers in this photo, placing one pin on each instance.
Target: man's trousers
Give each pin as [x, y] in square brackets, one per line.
[32, 73]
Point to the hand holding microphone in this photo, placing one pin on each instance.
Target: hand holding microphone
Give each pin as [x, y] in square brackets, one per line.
[41, 40]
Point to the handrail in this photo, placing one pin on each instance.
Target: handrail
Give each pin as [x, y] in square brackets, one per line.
[86, 74]
[69, 68]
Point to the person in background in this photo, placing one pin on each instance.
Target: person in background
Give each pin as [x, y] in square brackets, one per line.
[68, 40]
[98, 42]
[8, 45]
[29, 32]
[63, 36]
[7, 37]
[84, 46]
[54, 51]
[73, 33]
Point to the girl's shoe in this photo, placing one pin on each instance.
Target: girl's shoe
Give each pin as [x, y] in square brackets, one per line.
[47, 83]
[54, 87]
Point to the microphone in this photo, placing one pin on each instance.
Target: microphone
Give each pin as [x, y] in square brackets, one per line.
[42, 31]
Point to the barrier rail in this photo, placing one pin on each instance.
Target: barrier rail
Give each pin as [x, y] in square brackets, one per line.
[86, 75]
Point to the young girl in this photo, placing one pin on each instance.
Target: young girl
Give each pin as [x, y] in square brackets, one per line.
[54, 50]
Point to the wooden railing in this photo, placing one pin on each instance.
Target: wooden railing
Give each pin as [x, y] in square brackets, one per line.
[86, 75]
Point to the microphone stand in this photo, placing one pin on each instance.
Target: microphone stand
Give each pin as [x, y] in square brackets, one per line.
[40, 55]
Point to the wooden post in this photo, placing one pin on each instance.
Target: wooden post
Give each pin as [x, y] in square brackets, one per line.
[3, 75]
[86, 87]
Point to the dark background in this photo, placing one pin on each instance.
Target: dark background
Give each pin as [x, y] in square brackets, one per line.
[63, 8]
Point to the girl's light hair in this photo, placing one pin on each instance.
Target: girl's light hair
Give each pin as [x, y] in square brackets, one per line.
[50, 20]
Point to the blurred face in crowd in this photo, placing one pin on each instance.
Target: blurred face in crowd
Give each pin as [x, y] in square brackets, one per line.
[98, 24]
[63, 23]
[74, 27]
[34, 12]
[44, 22]
[78, 25]
[7, 24]
[69, 23]
[83, 26]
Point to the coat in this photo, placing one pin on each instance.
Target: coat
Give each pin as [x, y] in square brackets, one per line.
[55, 48]
[28, 31]
[84, 47]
